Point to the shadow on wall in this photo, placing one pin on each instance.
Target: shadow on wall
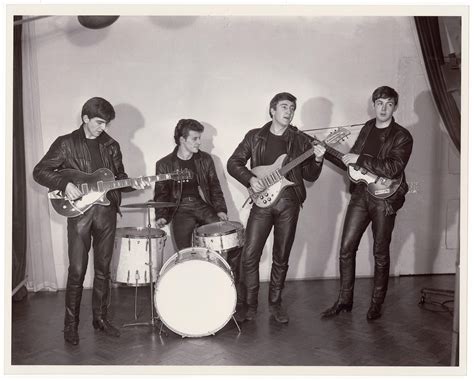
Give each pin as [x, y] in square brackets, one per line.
[317, 224]
[207, 145]
[173, 22]
[128, 120]
[81, 36]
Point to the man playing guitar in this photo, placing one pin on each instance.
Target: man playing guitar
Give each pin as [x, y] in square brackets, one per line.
[383, 148]
[87, 149]
[263, 146]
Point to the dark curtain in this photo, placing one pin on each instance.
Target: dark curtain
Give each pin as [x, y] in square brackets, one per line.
[430, 41]
[19, 176]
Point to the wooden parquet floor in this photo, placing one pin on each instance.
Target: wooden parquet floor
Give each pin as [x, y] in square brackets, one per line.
[406, 335]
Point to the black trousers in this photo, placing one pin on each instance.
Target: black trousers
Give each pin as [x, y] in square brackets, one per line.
[283, 217]
[362, 210]
[96, 227]
[192, 214]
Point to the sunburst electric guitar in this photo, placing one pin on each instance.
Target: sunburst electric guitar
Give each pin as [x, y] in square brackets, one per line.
[95, 186]
[273, 176]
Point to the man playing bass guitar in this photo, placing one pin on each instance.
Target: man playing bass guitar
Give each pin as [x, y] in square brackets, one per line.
[383, 148]
[87, 149]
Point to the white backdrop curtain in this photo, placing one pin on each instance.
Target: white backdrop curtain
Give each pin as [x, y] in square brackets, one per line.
[40, 270]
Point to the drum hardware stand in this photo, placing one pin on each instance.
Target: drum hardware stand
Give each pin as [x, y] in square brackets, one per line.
[152, 323]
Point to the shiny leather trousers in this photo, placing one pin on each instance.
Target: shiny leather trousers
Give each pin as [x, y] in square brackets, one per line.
[96, 226]
[362, 210]
[187, 217]
[283, 217]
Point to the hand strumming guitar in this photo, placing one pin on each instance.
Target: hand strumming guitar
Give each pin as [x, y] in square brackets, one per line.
[256, 184]
[72, 192]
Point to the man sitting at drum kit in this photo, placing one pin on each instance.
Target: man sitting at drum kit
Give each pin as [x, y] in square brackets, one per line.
[276, 141]
[200, 200]
[86, 150]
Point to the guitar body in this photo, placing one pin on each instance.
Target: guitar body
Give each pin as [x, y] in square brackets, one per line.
[270, 195]
[89, 184]
[378, 187]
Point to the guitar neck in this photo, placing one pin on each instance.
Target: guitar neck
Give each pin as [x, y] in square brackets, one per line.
[332, 151]
[109, 185]
[288, 167]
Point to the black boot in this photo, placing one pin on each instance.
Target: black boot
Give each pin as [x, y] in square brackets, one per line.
[71, 335]
[71, 316]
[100, 320]
[106, 326]
[336, 309]
[279, 314]
[246, 313]
[375, 311]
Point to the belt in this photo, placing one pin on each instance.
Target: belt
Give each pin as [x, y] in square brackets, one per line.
[190, 199]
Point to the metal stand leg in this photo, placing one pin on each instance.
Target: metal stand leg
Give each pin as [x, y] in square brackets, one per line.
[236, 324]
[152, 323]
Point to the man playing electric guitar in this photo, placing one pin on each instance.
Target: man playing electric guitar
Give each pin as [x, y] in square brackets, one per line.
[87, 149]
[383, 148]
[263, 146]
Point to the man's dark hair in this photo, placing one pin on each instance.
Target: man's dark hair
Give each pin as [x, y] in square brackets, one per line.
[184, 126]
[280, 97]
[98, 108]
[385, 92]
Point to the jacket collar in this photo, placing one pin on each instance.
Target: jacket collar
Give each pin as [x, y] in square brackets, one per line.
[103, 138]
[265, 130]
[196, 156]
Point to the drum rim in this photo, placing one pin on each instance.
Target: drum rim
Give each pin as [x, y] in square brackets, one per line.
[236, 230]
[172, 259]
[140, 228]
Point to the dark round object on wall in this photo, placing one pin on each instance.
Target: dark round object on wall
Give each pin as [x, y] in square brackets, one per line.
[97, 22]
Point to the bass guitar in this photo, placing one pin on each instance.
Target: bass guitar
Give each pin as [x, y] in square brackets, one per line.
[377, 186]
[273, 176]
[95, 186]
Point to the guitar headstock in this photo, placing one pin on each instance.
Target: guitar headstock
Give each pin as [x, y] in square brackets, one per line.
[182, 175]
[337, 136]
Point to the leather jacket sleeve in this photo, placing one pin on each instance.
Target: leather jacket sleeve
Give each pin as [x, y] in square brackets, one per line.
[394, 162]
[46, 171]
[236, 165]
[215, 191]
[311, 169]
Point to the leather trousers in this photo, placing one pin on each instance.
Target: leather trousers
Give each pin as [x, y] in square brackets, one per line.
[362, 210]
[192, 214]
[188, 216]
[283, 217]
[96, 227]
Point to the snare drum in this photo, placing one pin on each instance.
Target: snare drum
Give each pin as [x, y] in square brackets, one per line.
[195, 294]
[220, 236]
[131, 257]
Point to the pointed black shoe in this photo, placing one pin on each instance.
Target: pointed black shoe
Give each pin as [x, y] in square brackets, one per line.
[374, 312]
[336, 309]
[71, 335]
[106, 326]
[279, 314]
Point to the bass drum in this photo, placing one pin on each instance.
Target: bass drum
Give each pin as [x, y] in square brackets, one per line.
[195, 295]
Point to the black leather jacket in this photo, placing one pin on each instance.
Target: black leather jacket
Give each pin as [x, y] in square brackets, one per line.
[253, 147]
[70, 152]
[206, 176]
[390, 162]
